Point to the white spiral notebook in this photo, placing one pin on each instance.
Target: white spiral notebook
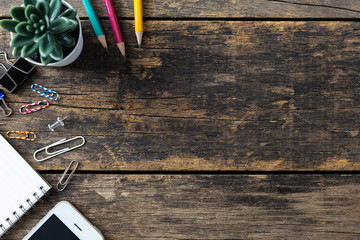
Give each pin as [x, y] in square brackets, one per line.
[20, 185]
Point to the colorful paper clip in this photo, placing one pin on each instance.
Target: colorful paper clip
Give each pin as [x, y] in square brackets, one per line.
[27, 137]
[9, 110]
[27, 110]
[44, 94]
[17, 72]
[61, 185]
[58, 152]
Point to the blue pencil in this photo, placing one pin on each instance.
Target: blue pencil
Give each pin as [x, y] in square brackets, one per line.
[95, 22]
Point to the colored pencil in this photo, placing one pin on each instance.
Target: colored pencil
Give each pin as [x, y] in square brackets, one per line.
[95, 22]
[115, 26]
[138, 20]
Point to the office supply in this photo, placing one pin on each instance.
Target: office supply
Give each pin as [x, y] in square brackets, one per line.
[64, 222]
[95, 22]
[27, 110]
[9, 110]
[21, 186]
[60, 186]
[138, 15]
[16, 73]
[59, 122]
[58, 152]
[115, 26]
[45, 94]
[27, 137]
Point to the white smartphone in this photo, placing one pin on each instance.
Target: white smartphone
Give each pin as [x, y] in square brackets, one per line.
[64, 222]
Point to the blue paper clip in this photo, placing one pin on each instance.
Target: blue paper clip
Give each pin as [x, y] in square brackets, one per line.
[9, 110]
[44, 94]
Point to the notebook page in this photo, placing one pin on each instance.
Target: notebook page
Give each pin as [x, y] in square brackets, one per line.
[20, 185]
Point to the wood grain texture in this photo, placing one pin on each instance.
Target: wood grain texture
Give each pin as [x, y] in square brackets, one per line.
[223, 9]
[208, 93]
[202, 95]
[211, 207]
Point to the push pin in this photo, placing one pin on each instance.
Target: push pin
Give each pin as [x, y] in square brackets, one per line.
[8, 110]
[16, 74]
[59, 123]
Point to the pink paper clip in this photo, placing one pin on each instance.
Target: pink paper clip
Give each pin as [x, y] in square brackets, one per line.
[27, 110]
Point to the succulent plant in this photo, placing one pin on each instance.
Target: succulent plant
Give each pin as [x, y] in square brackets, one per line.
[38, 26]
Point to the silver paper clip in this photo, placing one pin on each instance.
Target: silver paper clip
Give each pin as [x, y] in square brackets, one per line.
[61, 185]
[8, 110]
[58, 152]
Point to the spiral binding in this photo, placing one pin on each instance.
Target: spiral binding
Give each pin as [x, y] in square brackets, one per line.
[22, 208]
[2, 228]
[43, 190]
[16, 214]
[8, 220]
[36, 196]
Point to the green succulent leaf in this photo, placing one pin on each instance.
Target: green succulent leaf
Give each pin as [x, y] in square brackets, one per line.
[28, 2]
[69, 13]
[47, 21]
[43, 5]
[22, 30]
[34, 18]
[72, 25]
[20, 41]
[55, 7]
[31, 9]
[39, 37]
[18, 13]
[65, 40]
[45, 60]
[30, 28]
[29, 50]
[60, 25]
[9, 25]
[46, 45]
[17, 51]
[57, 53]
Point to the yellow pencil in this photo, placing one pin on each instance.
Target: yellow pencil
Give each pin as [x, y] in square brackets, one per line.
[138, 20]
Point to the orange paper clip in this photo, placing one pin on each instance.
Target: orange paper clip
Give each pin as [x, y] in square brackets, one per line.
[27, 137]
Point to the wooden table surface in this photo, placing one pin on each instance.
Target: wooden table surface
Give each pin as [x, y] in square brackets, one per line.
[237, 119]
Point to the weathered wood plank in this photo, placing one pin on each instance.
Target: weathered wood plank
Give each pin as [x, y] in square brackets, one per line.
[224, 9]
[211, 206]
[207, 96]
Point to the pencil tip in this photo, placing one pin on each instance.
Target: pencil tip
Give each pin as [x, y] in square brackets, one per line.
[124, 56]
[121, 47]
[106, 49]
[102, 40]
[139, 35]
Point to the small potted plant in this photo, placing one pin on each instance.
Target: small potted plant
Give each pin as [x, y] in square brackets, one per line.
[45, 32]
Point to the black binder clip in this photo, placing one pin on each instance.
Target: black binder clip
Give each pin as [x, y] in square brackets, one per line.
[17, 72]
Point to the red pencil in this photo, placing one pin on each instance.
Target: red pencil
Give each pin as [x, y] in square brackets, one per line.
[115, 26]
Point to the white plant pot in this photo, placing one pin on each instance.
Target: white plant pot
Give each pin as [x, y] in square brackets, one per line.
[72, 56]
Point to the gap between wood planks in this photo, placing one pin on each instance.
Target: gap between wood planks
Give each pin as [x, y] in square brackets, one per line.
[314, 5]
[239, 19]
[158, 172]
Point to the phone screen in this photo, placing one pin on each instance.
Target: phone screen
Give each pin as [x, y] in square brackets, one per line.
[53, 229]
